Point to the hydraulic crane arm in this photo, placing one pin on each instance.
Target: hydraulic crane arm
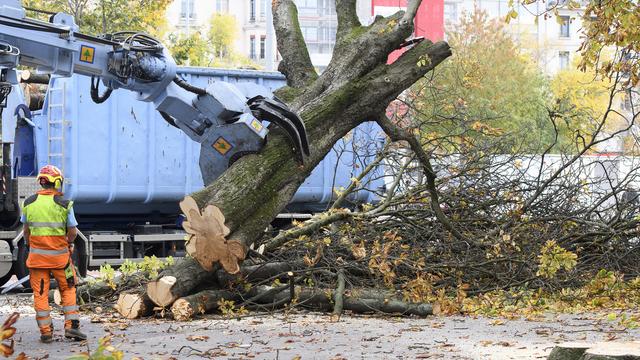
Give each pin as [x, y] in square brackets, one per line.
[227, 119]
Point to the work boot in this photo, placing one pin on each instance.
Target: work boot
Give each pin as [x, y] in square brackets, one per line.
[46, 338]
[74, 332]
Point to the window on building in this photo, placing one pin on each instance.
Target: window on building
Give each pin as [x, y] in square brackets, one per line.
[327, 7]
[564, 59]
[222, 6]
[263, 46]
[263, 8]
[252, 10]
[307, 7]
[309, 32]
[252, 46]
[187, 9]
[565, 22]
[450, 12]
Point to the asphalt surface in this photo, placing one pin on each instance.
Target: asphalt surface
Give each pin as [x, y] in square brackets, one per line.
[315, 336]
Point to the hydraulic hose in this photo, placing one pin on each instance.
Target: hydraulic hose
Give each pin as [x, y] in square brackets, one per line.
[185, 85]
[95, 92]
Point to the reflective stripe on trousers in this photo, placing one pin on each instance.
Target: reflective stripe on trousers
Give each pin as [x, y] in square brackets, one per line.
[43, 322]
[49, 252]
[43, 318]
[71, 312]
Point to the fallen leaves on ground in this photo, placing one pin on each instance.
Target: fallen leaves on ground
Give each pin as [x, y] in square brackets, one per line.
[6, 333]
[197, 338]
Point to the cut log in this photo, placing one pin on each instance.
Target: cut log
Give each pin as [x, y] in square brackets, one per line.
[133, 305]
[323, 300]
[364, 306]
[613, 351]
[160, 291]
[34, 96]
[190, 275]
[57, 297]
[29, 77]
[258, 272]
[596, 351]
[569, 351]
[203, 302]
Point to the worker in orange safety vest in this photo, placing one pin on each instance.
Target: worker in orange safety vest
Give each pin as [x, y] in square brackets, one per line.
[49, 230]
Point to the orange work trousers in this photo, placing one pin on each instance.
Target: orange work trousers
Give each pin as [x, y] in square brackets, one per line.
[40, 284]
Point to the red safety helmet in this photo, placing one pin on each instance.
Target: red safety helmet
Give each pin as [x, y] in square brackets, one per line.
[52, 175]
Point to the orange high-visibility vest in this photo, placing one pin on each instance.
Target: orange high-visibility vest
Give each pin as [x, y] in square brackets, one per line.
[46, 214]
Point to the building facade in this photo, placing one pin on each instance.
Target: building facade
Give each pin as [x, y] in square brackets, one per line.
[318, 22]
[550, 41]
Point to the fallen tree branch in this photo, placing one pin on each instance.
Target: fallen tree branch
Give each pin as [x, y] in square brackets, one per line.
[396, 133]
[339, 296]
[311, 226]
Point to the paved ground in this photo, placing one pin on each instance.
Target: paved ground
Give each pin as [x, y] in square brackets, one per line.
[313, 336]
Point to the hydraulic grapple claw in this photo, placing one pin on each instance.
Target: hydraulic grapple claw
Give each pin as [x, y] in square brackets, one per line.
[279, 114]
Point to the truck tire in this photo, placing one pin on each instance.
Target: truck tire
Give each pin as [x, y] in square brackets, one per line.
[20, 266]
[79, 258]
[6, 277]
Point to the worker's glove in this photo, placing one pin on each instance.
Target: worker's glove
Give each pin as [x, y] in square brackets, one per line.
[71, 248]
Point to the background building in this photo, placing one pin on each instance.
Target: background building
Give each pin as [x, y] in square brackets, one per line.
[552, 43]
[318, 22]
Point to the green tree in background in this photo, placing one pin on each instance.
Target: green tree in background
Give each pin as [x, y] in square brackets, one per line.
[190, 50]
[607, 25]
[223, 31]
[214, 50]
[581, 99]
[108, 16]
[488, 87]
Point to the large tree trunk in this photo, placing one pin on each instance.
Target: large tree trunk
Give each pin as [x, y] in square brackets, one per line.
[357, 86]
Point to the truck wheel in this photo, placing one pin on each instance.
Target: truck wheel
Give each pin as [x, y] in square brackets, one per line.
[7, 276]
[80, 258]
[6, 247]
[20, 266]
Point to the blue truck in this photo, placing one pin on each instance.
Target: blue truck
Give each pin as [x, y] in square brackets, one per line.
[126, 169]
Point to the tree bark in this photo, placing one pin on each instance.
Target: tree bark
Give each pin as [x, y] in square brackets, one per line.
[166, 289]
[200, 303]
[270, 298]
[30, 77]
[357, 86]
[596, 351]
